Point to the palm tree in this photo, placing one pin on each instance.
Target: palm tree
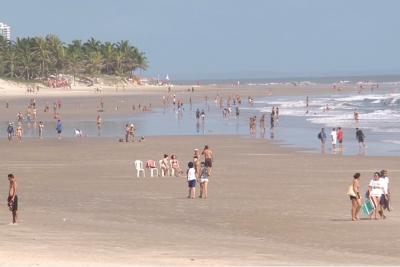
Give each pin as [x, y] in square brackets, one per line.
[57, 53]
[3, 47]
[108, 52]
[25, 56]
[10, 60]
[29, 58]
[42, 54]
[94, 63]
[92, 45]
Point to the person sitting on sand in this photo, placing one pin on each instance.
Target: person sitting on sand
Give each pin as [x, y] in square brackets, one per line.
[355, 197]
[174, 163]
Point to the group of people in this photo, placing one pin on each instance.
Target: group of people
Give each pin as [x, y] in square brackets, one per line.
[30, 119]
[378, 194]
[337, 137]
[200, 172]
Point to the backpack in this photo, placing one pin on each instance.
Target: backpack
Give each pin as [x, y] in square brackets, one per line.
[319, 136]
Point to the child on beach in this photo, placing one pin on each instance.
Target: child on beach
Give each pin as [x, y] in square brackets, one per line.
[191, 178]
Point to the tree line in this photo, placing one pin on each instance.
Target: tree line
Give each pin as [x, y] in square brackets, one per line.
[40, 57]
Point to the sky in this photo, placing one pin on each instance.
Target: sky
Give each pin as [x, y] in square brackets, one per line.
[209, 39]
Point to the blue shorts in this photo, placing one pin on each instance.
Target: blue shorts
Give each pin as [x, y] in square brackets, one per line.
[192, 183]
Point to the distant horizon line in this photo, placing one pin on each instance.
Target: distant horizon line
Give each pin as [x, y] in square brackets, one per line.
[292, 78]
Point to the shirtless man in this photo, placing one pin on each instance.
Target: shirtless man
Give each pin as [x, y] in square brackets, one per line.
[208, 158]
[12, 198]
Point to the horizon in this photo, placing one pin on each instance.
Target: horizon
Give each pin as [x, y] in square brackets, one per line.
[191, 40]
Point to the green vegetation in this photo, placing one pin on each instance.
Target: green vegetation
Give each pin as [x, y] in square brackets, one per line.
[40, 57]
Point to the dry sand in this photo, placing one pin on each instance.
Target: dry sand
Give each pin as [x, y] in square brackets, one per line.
[82, 205]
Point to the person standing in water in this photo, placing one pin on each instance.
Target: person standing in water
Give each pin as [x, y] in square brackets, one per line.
[322, 139]
[340, 136]
[334, 139]
[10, 131]
[98, 121]
[41, 127]
[59, 129]
[361, 140]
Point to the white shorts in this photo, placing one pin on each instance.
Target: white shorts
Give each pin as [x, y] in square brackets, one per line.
[203, 180]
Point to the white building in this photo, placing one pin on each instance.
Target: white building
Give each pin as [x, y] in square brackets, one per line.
[5, 31]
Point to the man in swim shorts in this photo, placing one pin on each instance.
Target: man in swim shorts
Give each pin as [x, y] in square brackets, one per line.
[12, 200]
[208, 158]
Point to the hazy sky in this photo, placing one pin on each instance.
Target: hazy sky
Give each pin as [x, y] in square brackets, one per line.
[193, 39]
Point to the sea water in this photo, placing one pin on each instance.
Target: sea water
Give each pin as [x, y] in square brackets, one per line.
[298, 126]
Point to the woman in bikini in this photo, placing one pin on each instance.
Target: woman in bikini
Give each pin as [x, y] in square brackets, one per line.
[174, 163]
[165, 165]
[355, 197]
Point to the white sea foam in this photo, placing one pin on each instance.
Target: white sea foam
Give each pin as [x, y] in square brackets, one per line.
[396, 142]
[377, 112]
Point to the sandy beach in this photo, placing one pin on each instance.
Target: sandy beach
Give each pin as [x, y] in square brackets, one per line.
[81, 203]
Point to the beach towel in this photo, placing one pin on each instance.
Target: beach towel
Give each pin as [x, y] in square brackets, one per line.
[368, 207]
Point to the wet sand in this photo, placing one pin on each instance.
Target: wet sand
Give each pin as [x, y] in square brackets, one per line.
[81, 204]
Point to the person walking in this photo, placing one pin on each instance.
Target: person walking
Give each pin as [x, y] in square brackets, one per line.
[12, 200]
[59, 128]
[355, 197]
[10, 131]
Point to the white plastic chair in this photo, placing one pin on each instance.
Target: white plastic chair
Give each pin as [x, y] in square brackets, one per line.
[152, 169]
[139, 168]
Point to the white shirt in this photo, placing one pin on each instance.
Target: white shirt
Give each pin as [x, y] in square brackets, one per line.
[191, 174]
[385, 184]
[377, 188]
[334, 137]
